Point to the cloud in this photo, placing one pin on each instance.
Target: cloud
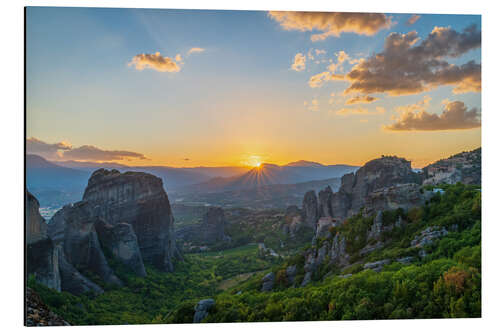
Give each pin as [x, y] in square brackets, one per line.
[455, 116]
[196, 50]
[299, 63]
[64, 151]
[47, 150]
[154, 61]
[318, 80]
[313, 105]
[408, 65]
[92, 153]
[361, 99]
[359, 111]
[332, 24]
[178, 57]
[414, 18]
[318, 52]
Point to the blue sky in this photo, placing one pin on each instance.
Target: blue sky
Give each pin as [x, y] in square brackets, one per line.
[236, 99]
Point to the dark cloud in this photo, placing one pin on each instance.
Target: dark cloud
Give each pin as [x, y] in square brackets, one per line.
[332, 24]
[64, 151]
[455, 116]
[92, 153]
[408, 65]
[47, 150]
[154, 61]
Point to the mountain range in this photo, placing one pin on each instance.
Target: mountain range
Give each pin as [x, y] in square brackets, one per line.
[62, 182]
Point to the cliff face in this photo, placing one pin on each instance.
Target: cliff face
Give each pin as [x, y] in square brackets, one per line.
[128, 215]
[464, 167]
[374, 175]
[381, 184]
[42, 257]
[36, 228]
[137, 199]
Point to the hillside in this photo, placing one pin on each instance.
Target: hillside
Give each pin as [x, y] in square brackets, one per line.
[395, 281]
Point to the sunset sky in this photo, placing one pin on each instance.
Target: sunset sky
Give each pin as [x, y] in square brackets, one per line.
[219, 88]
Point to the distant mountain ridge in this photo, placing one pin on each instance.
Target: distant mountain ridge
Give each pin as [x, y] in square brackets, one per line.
[272, 174]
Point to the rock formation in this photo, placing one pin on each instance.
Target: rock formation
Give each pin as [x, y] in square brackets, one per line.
[201, 309]
[268, 282]
[212, 226]
[381, 184]
[81, 244]
[293, 221]
[121, 241]
[464, 167]
[137, 199]
[127, 216]
[310, 209]
[42, 257]
[325, 198]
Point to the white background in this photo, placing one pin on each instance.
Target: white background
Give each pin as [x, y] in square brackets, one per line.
[12, 140]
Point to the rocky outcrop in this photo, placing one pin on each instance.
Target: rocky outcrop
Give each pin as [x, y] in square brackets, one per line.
[42, 257]
[202, 308]
[268, 282]
[310, 209]
[291, 272]
[325, 198]
[324, 225]
[294, 221]
[373, 176]
[403, 196]
[212, 226]
[38, 314]
[377, 265]
[464, 167]
[428, 235]
[127, 216]
[73, 281]
[36, 228]
[81, 244]
[137, 199]
[42, 261]
[121, 241]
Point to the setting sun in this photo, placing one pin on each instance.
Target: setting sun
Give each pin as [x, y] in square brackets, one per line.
[253, 161]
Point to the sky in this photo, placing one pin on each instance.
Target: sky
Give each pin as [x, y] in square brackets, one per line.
[187, 88]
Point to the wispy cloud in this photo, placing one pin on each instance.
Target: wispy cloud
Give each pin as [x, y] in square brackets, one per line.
[154, 61]
[195, 50]
[413, 19]
[359, 111]
[332, 24]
